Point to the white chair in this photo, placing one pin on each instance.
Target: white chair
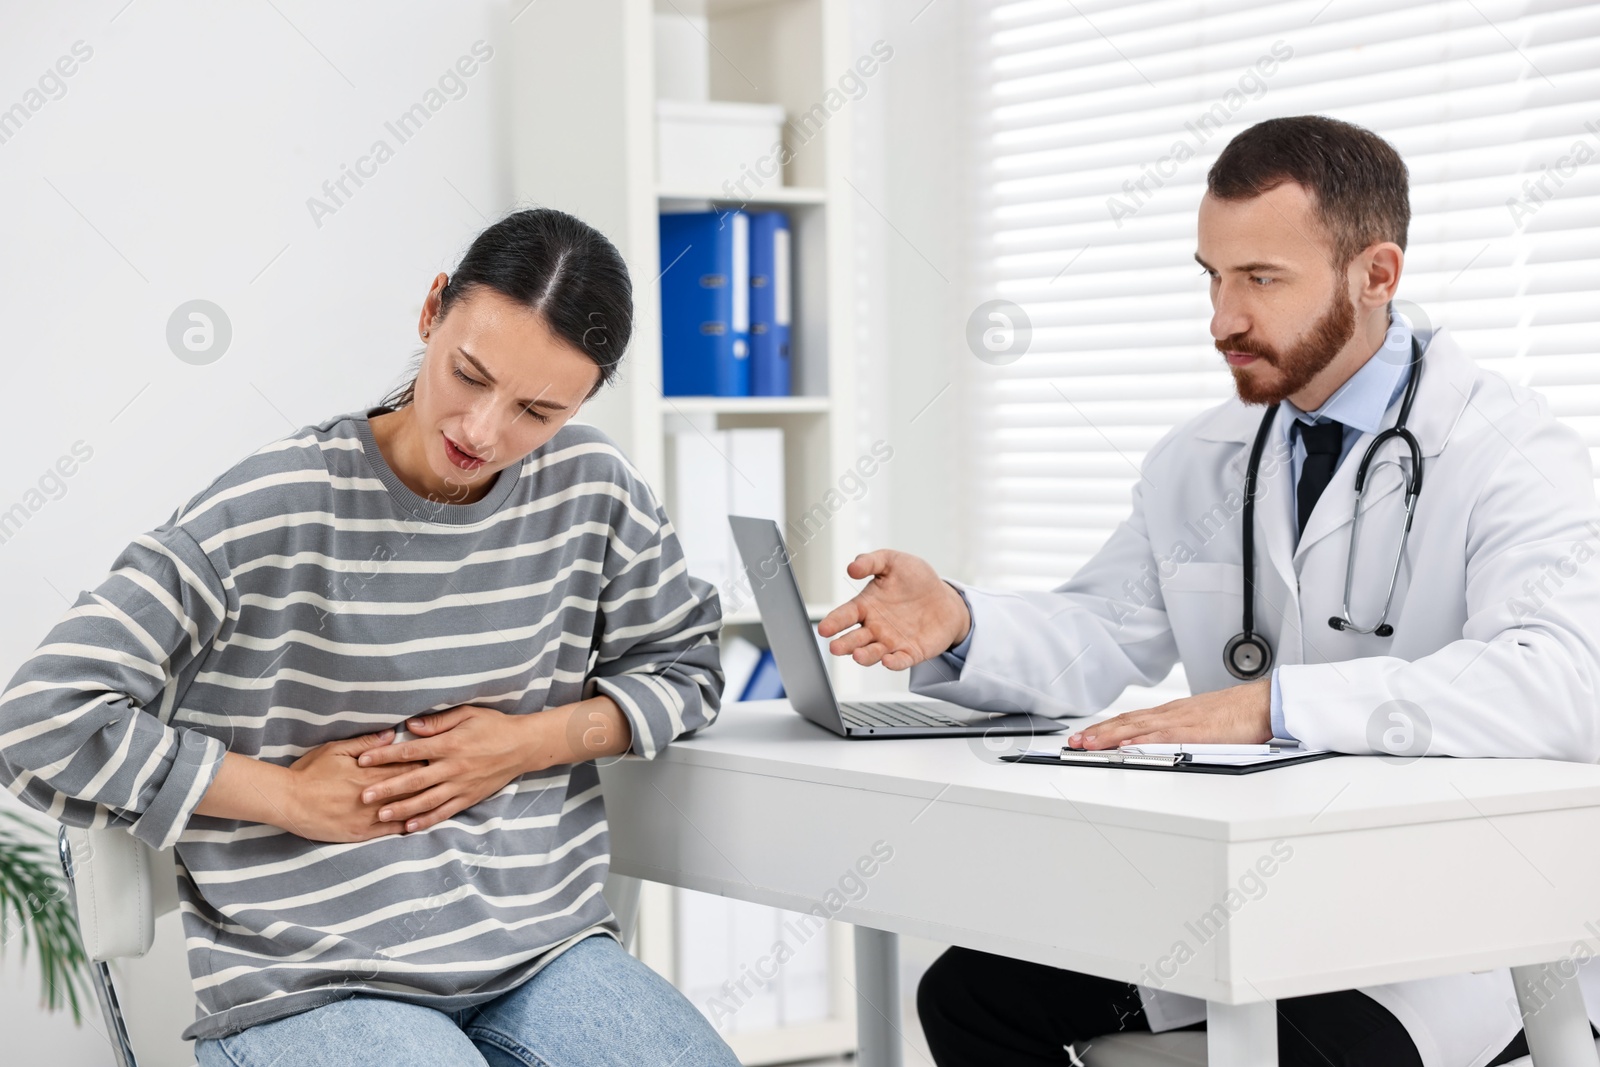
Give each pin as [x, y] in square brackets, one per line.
[125, 894]
[1179, 1048]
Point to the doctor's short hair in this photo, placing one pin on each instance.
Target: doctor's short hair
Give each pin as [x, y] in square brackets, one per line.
[561, 267]
[1356, 178]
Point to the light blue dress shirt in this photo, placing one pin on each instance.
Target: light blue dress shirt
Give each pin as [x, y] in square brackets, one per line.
[1360, 404]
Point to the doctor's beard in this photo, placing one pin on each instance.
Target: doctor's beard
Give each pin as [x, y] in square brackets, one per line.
[1301, 363]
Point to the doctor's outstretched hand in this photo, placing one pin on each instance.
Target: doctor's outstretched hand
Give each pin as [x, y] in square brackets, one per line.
[1238, 715]
[906, 613]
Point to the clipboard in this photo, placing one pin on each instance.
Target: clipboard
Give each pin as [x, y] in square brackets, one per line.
[1182, 761]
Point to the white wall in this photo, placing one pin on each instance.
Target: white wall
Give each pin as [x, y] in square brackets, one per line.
[928, 302]
[910, 214]
[176, 163]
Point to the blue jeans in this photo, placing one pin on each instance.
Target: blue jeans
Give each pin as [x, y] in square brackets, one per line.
[593, 1004]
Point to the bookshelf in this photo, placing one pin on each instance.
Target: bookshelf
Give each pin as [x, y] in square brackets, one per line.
[583, 90]
[747, 405]
[784, 196]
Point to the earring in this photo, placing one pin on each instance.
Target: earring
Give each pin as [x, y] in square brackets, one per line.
[424, 333]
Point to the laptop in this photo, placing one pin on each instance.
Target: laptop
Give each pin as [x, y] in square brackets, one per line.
[805, 672]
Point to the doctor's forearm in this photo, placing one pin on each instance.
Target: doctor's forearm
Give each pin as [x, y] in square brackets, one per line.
[1469, 699]
[1058, 652]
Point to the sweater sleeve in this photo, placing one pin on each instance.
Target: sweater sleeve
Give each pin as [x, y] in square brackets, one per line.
[84, 731]
[656, 642]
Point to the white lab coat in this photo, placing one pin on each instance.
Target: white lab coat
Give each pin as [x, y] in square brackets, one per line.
[1496, 613]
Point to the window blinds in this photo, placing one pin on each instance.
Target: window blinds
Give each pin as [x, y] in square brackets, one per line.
[1096, 122]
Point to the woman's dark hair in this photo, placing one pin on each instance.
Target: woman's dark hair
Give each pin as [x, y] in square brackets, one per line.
[559, 266]
[1356, 178]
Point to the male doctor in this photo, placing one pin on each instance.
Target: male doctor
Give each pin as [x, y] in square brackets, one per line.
[1491, 642]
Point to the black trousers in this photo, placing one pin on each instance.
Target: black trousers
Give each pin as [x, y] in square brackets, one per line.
[980, 1010]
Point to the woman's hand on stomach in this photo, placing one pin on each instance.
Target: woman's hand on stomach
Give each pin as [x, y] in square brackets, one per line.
[472, 752]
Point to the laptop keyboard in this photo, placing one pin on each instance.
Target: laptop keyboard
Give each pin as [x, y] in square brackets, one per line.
[893, 713]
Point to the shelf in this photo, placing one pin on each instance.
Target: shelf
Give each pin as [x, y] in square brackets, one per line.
[724, 7]
[597, 159]
[745, 405]
[803, 1041]
[781, 194]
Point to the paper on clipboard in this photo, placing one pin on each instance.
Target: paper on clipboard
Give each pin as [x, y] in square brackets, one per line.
[1174, 755]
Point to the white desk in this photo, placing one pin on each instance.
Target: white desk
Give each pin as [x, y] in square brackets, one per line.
[1393, 870]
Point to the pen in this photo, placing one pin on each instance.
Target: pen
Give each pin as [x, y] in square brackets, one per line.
[1199, 750]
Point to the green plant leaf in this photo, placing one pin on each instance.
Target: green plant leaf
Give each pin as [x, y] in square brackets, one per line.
[35, 911]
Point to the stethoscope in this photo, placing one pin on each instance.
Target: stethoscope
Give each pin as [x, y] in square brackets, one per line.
[1247, 655]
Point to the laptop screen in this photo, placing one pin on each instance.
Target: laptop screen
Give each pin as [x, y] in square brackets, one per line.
[783, 616]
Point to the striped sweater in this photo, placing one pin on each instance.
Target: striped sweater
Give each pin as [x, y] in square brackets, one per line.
[307, 595]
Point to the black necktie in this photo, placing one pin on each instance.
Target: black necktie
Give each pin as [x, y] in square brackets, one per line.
[1323, 442]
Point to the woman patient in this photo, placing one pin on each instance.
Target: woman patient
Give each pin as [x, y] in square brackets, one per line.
[359, 682]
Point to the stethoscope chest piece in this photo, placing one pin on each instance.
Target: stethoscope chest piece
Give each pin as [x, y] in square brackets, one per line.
[1247, 657]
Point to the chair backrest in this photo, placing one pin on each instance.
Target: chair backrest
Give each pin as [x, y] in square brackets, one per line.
[119, 886]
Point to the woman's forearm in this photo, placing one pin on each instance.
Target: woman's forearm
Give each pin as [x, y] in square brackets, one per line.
[572, 733]
[250, 789]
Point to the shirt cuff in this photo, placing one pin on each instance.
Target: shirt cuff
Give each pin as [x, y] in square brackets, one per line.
[1279, 730]
[957, 656]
